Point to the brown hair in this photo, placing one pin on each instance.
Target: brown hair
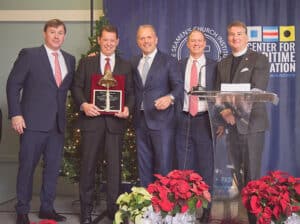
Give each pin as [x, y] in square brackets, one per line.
[54, 23]
[110, 29]
[237, 23]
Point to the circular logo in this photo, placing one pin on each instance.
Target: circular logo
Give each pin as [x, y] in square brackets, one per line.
[216, 47]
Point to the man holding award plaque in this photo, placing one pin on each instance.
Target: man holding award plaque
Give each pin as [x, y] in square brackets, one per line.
[102, 88]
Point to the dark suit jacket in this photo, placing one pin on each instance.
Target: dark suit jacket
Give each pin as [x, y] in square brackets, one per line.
[81, 92]
[163, 78]
[41, 101]
[253, 69]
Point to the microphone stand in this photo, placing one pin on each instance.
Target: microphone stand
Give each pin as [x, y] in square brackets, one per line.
[199, 87]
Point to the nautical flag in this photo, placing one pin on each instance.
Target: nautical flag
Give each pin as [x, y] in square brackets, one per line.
[270, 33]
[254, 33]
[287, 33]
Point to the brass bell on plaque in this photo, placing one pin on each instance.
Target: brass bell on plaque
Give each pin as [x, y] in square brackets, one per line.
[107, 80]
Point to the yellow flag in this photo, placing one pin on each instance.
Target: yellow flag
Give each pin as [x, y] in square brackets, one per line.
[287, 33]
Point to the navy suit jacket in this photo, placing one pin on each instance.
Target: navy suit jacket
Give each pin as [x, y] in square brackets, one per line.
[32, 91]
[163, 78]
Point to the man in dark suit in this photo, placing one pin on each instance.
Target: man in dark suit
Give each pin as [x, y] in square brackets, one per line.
[245, 66]
[194, 145]
[100, 132]
[158, 84]
[43, 75]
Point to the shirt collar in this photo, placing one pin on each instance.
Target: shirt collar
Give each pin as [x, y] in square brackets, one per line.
[111, 57]
[50, 51]
[200, 60]
[151, 55]
[240, 53]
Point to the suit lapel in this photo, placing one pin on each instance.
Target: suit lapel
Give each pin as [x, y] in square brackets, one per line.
[183, 67]
[227, 69]
[137, 77]
[154, 66]
[47, 65]
[68, 65]
[208, 77]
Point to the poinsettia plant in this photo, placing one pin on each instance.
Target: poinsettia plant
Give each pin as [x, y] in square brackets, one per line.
[132, 205]
[273, 197]
[178, 192]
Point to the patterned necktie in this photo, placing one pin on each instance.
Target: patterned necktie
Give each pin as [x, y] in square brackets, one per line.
[107, 65]
[145, 69]
[57, 74]
[193, 105]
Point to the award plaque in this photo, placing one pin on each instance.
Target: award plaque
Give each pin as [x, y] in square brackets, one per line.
[107, 92]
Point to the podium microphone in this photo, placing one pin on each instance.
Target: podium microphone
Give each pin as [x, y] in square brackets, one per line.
[199, 87]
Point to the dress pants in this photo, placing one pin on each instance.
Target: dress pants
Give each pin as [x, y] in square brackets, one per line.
[33, 145]
[245, 154]
[155, 149]
[94, 145]
[194, 145]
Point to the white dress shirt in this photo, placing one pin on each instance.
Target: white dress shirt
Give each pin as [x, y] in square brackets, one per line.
[62, 63]
[201, 62]
[112, 61]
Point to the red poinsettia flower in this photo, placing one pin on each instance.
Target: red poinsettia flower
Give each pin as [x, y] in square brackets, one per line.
[178, 191]
[273, 197]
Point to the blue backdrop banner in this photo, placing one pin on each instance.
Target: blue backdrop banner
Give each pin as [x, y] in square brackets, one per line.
[273, 28]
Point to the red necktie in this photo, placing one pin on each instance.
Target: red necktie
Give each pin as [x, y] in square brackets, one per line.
[57, 74]
[193, 105]
[107, 65]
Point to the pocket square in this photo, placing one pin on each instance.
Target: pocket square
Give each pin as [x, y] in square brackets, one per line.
[245, 69]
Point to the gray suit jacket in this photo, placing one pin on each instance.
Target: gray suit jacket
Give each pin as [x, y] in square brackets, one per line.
[254, 69]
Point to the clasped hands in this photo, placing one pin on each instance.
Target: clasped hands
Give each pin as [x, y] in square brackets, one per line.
[228, 116]
[92, 110]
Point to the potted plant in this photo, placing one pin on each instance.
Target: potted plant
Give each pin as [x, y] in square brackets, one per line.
[133, 205]
[170, 199]
[179, 193]
[273, 198]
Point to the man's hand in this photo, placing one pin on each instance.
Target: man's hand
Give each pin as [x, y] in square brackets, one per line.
[90, 110]
[163, 103]
[123, 114]
[228, 116]
[92, 54]
[18, 124]
[220, 131]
